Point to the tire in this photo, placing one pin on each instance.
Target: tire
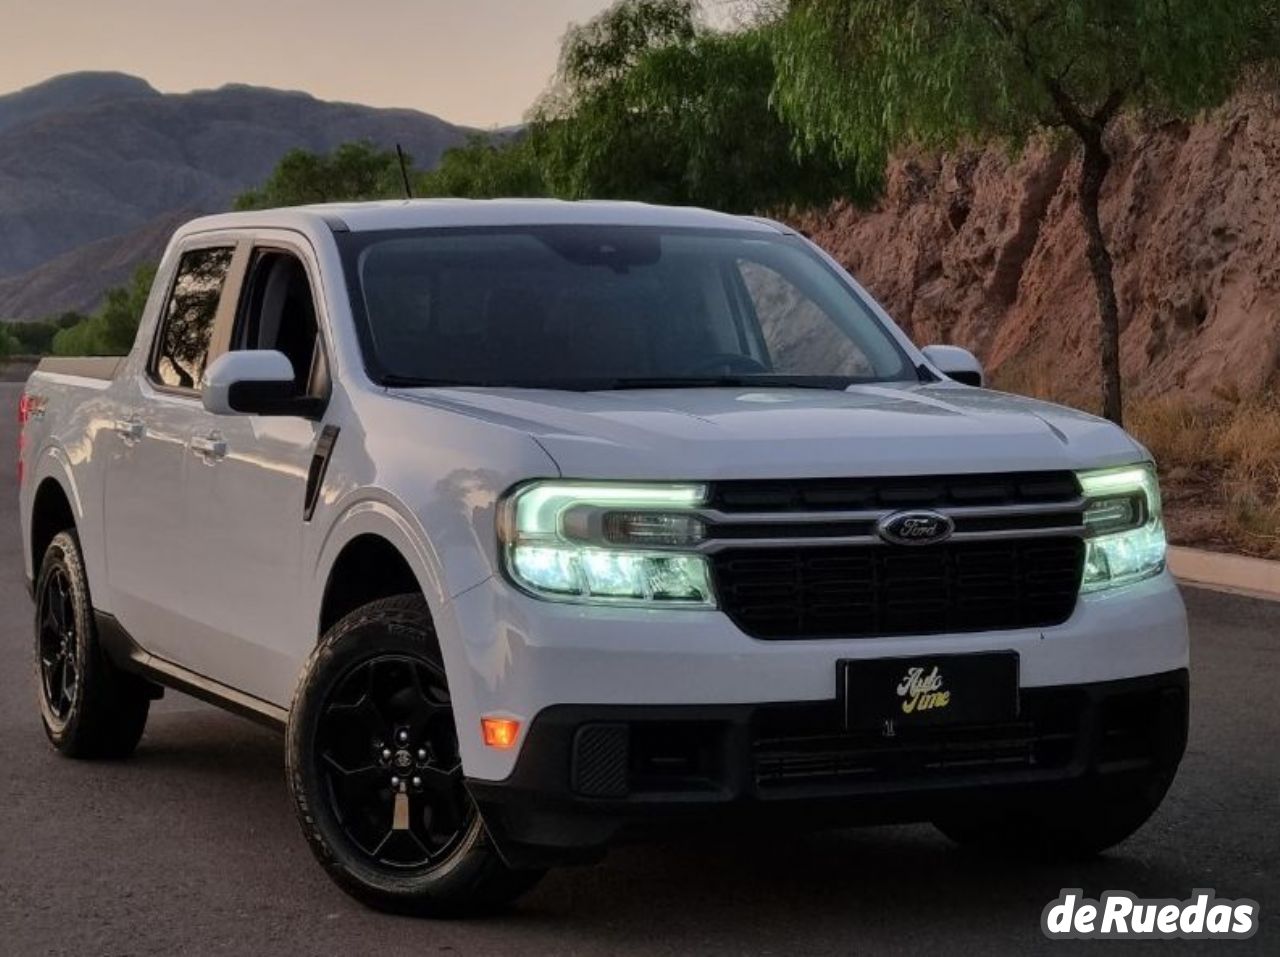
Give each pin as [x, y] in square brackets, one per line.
[1079, 823]
[89, 707]
[371, 702]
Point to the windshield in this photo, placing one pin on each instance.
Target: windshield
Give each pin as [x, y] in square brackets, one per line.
[591, 307]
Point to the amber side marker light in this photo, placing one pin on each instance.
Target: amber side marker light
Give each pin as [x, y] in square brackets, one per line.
[500, 732]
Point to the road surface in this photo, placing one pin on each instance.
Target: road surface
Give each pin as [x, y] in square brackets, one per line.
[191, 847]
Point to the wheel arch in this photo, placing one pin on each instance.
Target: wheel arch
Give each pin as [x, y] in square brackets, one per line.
[53, 510]
[368, 568]
[367, 536]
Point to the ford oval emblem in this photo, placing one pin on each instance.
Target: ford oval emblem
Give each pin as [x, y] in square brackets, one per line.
[915, 528]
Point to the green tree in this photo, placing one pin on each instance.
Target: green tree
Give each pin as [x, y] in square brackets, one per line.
[8, 344]
[353, 171]
[864, 76]
[648, 103]
[111, 330]
[484, 168]
[36, 337]
[651, 104]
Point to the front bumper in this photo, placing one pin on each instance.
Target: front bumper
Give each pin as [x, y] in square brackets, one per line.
[590, 775]
[511, 655]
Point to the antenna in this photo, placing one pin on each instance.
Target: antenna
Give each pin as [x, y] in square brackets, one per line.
[404, 173]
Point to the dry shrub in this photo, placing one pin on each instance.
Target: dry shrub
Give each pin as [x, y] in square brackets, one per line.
[1219, 457]
[1248, 444]
[1250, 439]
[1039, 380]
[1177, 430]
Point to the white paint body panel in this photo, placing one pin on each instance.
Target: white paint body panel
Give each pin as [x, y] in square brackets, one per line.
[212, 566]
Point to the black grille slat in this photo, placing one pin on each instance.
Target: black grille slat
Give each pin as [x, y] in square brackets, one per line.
[818, 495]
[864, 591]
[805, 746]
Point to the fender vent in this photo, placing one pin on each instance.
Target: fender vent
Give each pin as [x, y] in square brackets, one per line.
[319, 465]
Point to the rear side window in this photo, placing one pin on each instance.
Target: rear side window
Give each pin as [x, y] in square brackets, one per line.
[182, 349]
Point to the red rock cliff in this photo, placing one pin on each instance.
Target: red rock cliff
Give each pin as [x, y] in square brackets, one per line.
[985, 250]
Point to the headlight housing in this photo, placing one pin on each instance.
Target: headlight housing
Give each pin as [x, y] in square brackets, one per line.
[1124, 526]
[606, 543]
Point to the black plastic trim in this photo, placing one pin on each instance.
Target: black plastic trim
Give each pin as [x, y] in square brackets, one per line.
[538, 815]
[273, 398]
[129, 656]
[319, 466]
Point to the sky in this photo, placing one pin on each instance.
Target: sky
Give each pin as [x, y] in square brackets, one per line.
[476, 62]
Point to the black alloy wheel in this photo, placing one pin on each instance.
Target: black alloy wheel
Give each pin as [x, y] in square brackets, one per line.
[58, 641]
[388, 751]
[376, 774]
[88, 706]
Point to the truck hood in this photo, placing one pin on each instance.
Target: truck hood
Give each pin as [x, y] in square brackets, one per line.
[890, 429]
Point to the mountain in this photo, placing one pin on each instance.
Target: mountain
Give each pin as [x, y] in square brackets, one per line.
[77, 279]
[68, 92]
[89, 157]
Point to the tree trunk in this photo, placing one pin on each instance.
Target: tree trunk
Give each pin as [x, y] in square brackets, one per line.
[1093, 171]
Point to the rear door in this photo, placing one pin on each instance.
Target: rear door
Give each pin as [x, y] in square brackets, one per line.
[147, 539]
[246, 489]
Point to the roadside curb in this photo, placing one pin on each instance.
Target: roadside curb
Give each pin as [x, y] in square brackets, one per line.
[1255, 577]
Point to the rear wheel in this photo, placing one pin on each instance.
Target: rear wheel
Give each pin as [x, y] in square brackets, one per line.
[376, 776]
[1081, 822]
[89, 707]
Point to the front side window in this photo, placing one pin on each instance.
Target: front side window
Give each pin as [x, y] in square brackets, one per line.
[186, 328]
[278, 312]
[592, 307]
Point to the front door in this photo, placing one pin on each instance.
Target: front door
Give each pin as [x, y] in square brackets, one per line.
[246, 485]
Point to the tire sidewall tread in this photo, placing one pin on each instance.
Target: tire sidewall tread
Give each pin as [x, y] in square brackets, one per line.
[473, 879]
[109, 713]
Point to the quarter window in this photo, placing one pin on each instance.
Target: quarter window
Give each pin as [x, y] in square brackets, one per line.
[182, 351]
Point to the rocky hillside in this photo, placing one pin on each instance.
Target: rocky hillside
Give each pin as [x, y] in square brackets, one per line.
[92, 157]
[986, 251]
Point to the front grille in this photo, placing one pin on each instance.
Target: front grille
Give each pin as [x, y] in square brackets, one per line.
[865, 591]
[805, 745]
[928, 491]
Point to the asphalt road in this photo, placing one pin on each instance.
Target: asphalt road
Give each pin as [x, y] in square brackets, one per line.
[191, 847]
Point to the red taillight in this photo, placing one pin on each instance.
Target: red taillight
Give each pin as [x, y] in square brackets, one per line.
[29, 406]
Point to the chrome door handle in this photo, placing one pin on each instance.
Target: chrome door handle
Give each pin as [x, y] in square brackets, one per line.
[209, 447]
[130, 430]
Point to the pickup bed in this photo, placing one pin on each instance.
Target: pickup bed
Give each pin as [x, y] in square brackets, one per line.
[539, 525]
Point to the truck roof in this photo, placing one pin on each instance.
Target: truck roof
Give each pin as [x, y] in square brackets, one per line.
[427, 213]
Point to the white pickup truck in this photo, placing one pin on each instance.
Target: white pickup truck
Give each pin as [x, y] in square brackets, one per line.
[539, 526]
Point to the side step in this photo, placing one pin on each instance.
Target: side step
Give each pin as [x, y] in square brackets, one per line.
[129, 656]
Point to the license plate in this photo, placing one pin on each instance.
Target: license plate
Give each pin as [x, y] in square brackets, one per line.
[929, 690]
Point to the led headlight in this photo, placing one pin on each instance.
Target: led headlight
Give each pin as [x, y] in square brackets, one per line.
[607, 543]
[1124, 525]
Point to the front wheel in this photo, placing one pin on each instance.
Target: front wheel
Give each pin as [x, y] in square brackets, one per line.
[374, 769]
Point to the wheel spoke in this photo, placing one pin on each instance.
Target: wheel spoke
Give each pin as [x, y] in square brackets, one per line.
[51, 682]
[363, 713]
[68, 680]
[377, 851]
[440, 779]
[387, 743]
